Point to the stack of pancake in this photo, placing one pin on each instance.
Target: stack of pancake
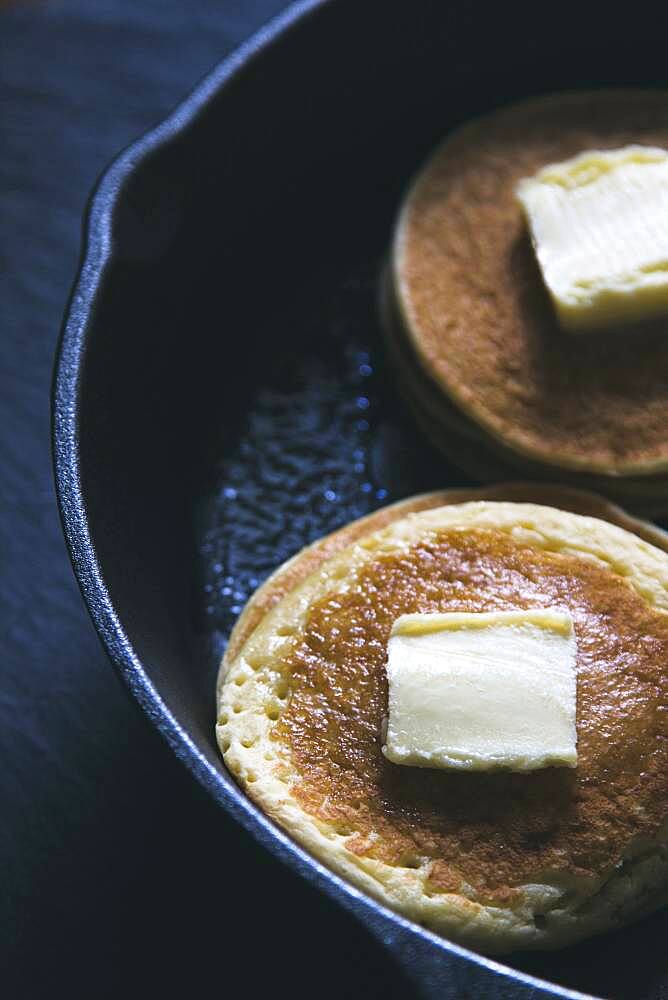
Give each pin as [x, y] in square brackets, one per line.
[489, 375]
[495, 860]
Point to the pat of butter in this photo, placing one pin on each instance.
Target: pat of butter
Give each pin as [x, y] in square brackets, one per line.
[599, 226]
[482, 691]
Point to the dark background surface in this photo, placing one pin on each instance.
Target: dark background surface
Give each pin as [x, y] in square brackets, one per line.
[118, 876]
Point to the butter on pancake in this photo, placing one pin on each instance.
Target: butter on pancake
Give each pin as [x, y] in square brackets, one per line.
[497, 860]
[599, 226]
[482, 690]
[478, 318]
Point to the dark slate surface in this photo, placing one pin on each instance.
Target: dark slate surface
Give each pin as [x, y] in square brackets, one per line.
[111, 882]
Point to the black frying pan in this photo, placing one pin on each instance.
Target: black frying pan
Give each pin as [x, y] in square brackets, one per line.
[221, 396]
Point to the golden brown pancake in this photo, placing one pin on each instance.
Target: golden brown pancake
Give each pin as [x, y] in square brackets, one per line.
[495, 861]
[478, 317]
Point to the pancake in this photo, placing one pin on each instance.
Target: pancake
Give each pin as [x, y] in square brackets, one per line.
[499, 861]
[474, 309]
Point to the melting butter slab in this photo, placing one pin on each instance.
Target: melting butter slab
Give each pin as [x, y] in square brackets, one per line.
[599, 226]
[482, 691]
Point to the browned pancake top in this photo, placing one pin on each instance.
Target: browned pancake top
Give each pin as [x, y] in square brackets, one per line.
[480, 316]
[491, 831]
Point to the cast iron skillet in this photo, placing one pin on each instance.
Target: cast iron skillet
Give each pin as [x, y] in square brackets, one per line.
[220, 394]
